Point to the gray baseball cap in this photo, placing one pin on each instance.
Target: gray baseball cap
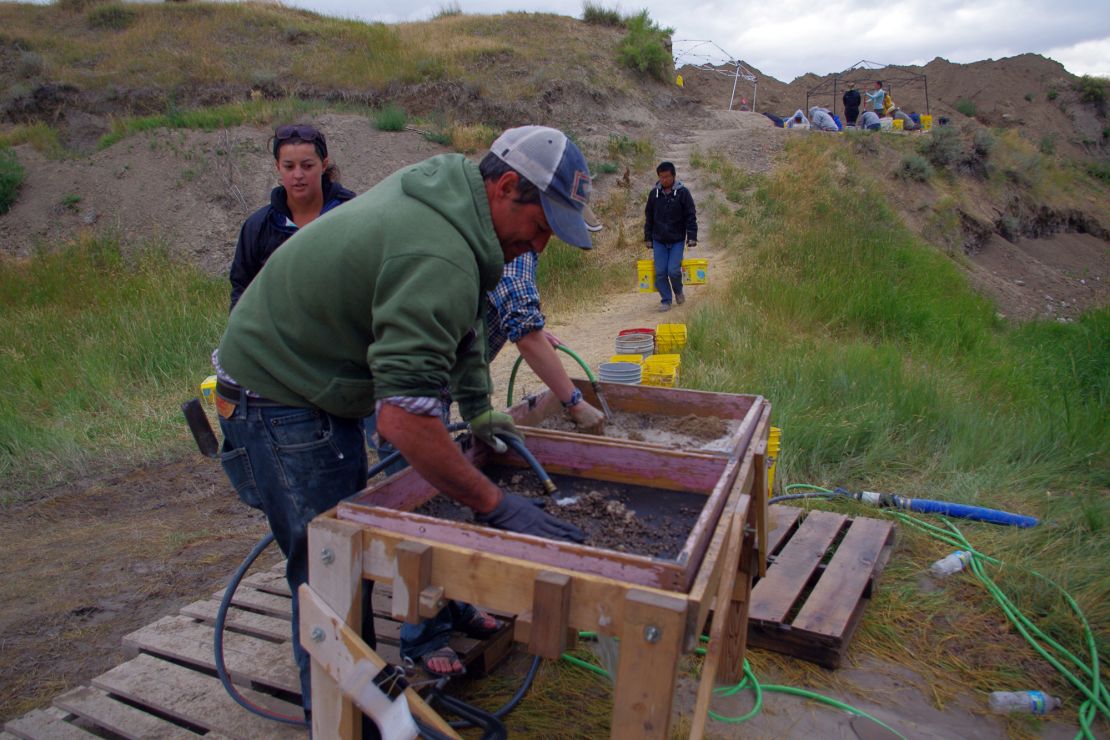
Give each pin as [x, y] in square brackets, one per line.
[553, 163]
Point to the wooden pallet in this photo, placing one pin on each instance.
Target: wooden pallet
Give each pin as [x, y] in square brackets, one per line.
[823, 569]
[169, 690]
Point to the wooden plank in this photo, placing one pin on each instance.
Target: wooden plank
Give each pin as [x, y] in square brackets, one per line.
[783, 521]
[414, 568]
[95, 706]
[651, 644]
[737, 622]
[829, 608]
[268, 581]
[759, 503]
[342, 654]
[247, 658]
[550, 615]
[238, 620]
[729, 570]
[259, 601]
[197, 698]
[774, 596]
[335, 572]
[40, 724]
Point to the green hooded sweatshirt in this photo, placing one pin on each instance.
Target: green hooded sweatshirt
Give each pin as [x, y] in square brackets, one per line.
[382, 297]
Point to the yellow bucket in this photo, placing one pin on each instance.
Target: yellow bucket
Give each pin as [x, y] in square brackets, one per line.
[926, 121]
[208, 389]
[695, 271]
[638, 359]
[645, 273]
[774, 443]
[897, 124]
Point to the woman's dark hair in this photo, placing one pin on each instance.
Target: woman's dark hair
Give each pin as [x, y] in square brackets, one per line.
[303, 133]
[665, 167]
[493, 167]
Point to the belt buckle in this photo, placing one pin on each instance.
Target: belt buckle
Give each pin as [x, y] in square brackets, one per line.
[224, 407]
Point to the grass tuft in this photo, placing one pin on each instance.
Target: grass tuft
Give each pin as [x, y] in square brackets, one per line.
[390, 118]
[11, 179]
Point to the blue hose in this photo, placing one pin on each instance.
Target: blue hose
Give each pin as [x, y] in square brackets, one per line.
[963, 511]
[519, 448]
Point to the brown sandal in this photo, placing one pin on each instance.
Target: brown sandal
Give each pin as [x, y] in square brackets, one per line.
[477, 628]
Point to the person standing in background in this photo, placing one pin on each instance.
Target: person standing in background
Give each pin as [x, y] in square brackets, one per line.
[852, 100]
[670, 224]
[309, 188]
[877, 98]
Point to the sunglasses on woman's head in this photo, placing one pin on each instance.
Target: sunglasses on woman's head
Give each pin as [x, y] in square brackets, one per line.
[302, 131]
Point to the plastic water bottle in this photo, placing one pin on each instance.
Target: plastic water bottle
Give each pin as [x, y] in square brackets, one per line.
[1030, 702]
[950, 564]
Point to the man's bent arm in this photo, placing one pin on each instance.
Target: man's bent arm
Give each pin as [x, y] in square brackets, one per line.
[426, 444]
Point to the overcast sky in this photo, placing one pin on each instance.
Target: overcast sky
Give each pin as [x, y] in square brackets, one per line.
[787, 38]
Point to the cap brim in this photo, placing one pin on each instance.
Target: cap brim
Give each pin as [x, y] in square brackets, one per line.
[567, 222]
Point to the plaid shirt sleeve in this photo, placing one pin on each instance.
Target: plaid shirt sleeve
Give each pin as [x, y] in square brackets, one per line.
[514, 304]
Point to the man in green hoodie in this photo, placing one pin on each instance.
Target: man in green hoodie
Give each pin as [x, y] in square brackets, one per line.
[378, 307]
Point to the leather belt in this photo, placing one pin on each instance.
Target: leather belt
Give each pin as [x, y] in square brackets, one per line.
[234, 394]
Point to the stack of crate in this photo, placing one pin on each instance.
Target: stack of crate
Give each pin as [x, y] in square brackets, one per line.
[662, 370]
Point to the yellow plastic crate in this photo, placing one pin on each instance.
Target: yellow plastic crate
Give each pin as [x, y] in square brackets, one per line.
[774, 444]
[645, 274]
[638, 359]
[695, 271]
[662, 361]
[670, 338]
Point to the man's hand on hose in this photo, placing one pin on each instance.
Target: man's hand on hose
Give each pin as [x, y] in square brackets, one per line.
[588, 419]
[519, 514]
[490, 423]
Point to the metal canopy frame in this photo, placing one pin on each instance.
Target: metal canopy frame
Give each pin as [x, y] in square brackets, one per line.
[891, 76]
[708, 56]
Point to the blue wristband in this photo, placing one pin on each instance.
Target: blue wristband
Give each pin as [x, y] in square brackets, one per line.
[575, 399]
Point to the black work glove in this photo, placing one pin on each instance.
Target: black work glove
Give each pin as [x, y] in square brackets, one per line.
[519, 514]
[648, 243]
[692, 243]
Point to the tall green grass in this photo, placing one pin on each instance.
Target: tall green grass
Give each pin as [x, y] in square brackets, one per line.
[887, 372]
[98, 350]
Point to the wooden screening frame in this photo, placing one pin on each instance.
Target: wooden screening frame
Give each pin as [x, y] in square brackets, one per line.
[531, 411]
[554, 588]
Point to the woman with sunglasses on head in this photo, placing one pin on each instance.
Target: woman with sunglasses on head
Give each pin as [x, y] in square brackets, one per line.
[309, 188]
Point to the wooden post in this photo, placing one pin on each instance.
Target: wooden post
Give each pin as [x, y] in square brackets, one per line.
[550, 615]
[713, 652]
[760, 496]
[734, 643]
[335, 572]
[651, 644]
[414, 570]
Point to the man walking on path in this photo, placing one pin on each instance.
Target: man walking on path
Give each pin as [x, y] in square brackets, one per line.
[670, 224]
[378, 307]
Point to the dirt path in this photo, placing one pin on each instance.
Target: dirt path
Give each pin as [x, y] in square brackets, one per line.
[749, 139]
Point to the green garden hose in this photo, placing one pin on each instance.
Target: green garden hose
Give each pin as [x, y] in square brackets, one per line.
[582, 363]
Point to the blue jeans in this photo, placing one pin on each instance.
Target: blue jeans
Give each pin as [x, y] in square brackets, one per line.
[293, 464]
[668, 268]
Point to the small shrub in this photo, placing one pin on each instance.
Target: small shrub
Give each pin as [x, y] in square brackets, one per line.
[1097, 170]
[111, 17]
[942, 147]
[1106, 132]
[966, 107]
[448, 11]
[1051, 94]
[31, 64]
[1048, 144]
[982, 143]
[473, 138]
[70, 201]
[11, 179]
[1009, 227]
[645, 48]
[390, 118]
[1093, 90]
[597, 15]
[619, 146]
[604, 168]
[915, 167]
[438, 137]
[1029, 97]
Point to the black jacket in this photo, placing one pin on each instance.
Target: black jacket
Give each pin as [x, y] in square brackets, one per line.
[670, 218]
[851, 99]
[267, 229]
